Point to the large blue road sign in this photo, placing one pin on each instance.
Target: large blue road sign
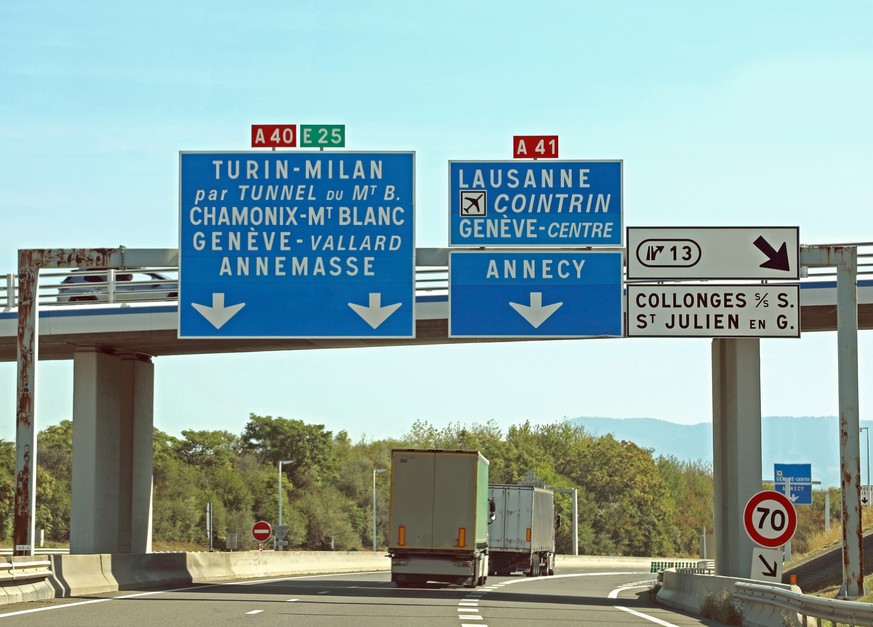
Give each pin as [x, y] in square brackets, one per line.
[535, 294]
[800, 478]
[304, 244]
[535, 203]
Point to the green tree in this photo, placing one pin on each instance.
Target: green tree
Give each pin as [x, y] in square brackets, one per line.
[632, 516]
[690, 492]
[7, 488]
[209, 449]
[54, 480]
[331, 519]
[307, 447]
[179, 500]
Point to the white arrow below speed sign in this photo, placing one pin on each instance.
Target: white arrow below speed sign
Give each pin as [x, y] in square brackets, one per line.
[770, 519]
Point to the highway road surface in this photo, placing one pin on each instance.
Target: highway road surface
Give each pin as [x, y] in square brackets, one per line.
[570, 597]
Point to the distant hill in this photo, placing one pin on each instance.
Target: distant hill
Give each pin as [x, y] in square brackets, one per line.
[784, 439]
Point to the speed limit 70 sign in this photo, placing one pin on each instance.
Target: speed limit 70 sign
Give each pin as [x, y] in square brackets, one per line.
[770, 519]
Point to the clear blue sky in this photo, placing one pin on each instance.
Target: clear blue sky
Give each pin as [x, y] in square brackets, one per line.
[740, 113]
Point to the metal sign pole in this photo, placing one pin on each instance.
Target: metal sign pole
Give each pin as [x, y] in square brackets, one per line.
[845, 259]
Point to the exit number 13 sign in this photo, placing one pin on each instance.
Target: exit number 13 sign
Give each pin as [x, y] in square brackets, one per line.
[535, 146]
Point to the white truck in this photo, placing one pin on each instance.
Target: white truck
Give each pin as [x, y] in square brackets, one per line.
[522, 536]
[439, 517]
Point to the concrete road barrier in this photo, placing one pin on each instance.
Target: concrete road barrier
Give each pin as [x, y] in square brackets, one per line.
[75, 575]
[79, 575]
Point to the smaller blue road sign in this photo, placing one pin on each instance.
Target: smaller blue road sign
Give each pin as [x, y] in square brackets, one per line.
[535, 203]
[800, 478]
[535, 294]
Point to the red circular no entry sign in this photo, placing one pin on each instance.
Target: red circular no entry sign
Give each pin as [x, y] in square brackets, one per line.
[770, 519]
[262, 531]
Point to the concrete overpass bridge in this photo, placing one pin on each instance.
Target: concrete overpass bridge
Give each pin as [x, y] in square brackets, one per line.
[148, 328]
[112, 346]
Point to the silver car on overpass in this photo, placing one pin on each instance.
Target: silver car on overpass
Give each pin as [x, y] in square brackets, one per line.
[104, 286]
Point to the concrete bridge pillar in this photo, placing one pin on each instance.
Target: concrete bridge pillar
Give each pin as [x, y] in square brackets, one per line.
[113, 402]
[736, 443]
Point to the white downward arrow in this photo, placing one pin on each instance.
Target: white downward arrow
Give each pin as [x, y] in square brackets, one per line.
[218, 314]
[374, 313]
[536, 313]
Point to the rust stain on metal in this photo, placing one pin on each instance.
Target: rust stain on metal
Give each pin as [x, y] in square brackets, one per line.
[30, 262]
[22, 488]
[37, 258]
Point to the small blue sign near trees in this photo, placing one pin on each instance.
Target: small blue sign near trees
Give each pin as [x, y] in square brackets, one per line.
[799, 477]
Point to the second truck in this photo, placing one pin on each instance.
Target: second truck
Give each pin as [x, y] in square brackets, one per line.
[522, 536]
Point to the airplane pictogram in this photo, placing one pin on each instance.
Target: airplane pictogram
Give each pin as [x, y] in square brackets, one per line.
[473, 203]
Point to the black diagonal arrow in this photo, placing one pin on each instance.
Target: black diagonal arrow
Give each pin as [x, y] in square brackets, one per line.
[776, 260]
[770, 568]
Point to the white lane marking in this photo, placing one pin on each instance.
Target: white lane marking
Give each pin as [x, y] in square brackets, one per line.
[251, 582]
[473, 597]
[629, 586]
[646, 616]
[468, 607]
[642, 584]
[91, 601]
[254, 612]
[291, 600]
[324, 592]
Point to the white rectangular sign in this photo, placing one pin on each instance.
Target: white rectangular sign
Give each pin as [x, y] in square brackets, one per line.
[713, 310]
[767, 565]
[690, 253]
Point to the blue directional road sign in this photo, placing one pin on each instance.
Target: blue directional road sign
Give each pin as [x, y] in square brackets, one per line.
[535, 203]
[535, 294]
[800, 478]
[304, 244]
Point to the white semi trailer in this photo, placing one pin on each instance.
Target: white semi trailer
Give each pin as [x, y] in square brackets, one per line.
[522, 536]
